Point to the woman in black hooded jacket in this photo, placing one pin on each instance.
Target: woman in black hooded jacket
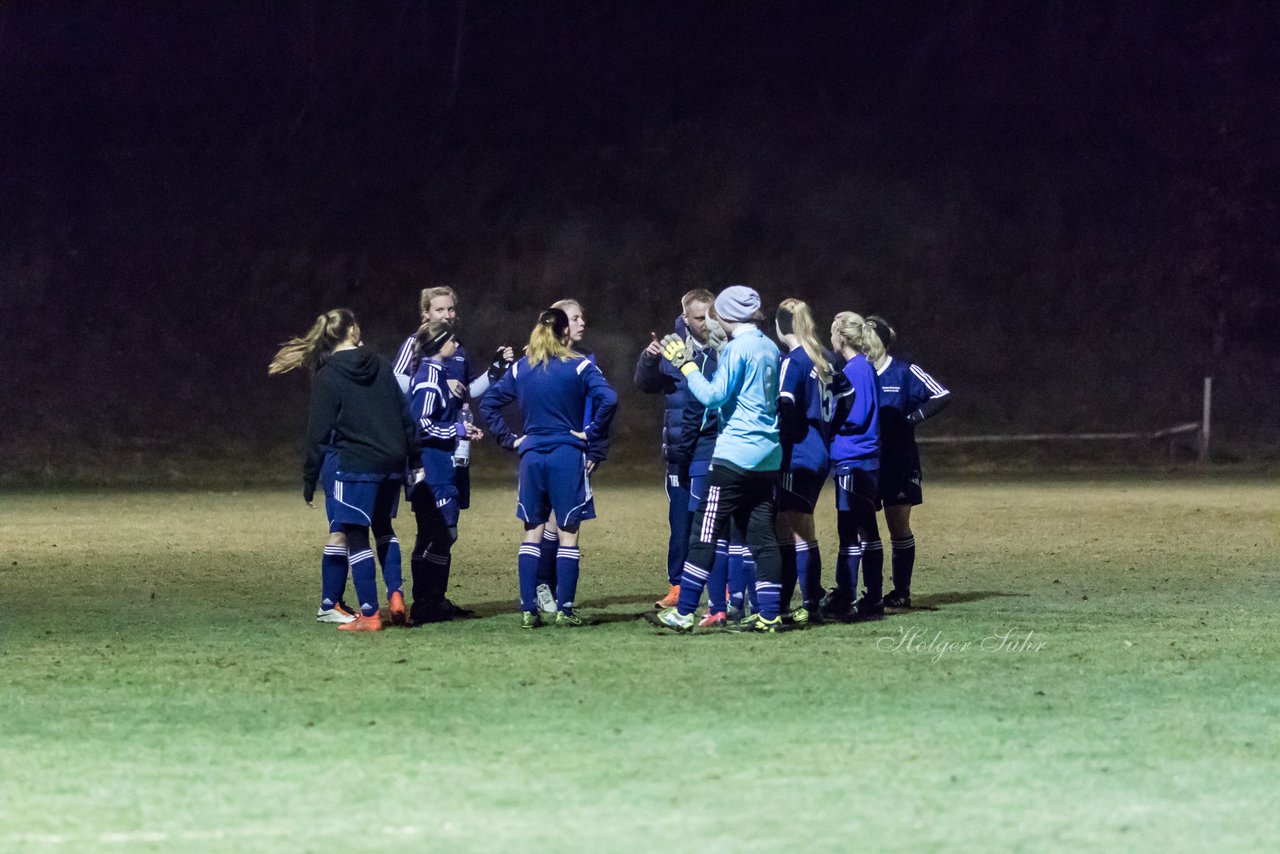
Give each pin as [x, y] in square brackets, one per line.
[357, 409]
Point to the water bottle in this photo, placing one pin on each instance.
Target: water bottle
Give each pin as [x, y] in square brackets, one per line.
[462, 454]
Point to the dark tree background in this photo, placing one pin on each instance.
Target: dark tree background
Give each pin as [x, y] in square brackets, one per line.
[1069, 209]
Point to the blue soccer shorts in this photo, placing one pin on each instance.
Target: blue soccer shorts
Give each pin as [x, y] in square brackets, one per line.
[365, 502]
[798, 490]
[436, 501]
[328, 474]
[554, 481]
[857, 488]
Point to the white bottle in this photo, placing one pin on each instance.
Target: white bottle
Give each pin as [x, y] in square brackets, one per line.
[462, 454]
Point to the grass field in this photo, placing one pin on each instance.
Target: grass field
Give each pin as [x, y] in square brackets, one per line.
[167, 687]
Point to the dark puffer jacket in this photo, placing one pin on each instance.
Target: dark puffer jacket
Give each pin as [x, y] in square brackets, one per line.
[688, 429]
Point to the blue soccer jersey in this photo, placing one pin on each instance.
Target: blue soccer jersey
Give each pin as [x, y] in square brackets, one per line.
[435, 410]
[904, 389]
[456, 367]
[553, 400]
[806, 405]
[856, 440]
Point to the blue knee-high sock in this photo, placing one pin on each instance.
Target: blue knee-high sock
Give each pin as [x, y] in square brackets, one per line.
[809, 572]
[847, 567]
[873, 568]
[788, 556]
[904, 559]
[363, 573]
[333, 575]
[718, 579]
[547, 549]
[749, 577]
[737, 592]
[768, 598]
[567, 568]
[389, 557]
[527, 567]
[692, 580]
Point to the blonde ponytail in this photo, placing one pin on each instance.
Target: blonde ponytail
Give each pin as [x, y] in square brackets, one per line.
[312, 349]
[883, 332]
[855, 334]
[550, 339]
[802, 327]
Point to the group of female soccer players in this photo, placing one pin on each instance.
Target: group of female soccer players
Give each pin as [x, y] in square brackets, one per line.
[786, 425]
[759, 434]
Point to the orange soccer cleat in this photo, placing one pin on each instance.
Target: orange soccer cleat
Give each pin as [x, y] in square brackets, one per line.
[372, 623]
[395, 607]
[670, 600]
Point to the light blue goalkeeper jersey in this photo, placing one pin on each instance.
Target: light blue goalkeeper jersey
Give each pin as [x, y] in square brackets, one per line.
[745, 390]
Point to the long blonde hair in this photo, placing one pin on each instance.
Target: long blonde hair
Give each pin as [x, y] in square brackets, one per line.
[549, 339]
[312, 349]
[854, 333]
[882, 330]
[795, 318]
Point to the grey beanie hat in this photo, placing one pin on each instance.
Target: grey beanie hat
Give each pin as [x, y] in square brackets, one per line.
[737, 304]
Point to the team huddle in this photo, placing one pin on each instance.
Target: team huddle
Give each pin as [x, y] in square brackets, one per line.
[750, 438]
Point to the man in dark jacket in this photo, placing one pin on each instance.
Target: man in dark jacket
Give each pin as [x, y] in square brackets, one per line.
[688, 428]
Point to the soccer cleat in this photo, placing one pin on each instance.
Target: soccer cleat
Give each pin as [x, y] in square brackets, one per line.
[713, 620]
[900, 599]
[867, 608]
[371, 623]
[339, 613]
[441, 612]
[734, 614]
[670, 600]
[836, 604]
[530, 620]
[395, 607]
[756, 623]
[455, 612]
[568, 620]
[767, 627]
[672, 619]
[800, 617]
[546, 600]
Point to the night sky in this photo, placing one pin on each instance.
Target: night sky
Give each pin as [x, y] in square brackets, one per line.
[1069, 210]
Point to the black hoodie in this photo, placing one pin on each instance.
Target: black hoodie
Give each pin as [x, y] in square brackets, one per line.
[357, 406]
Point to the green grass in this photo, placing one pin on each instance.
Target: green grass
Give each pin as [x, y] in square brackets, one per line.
[167, 687]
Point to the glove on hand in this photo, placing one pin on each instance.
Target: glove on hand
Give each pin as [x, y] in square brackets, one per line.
[716, 336]
[674, 351]
[499, 365]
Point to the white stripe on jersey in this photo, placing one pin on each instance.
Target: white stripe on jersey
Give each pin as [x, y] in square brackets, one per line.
[932, 384]
[404, 357]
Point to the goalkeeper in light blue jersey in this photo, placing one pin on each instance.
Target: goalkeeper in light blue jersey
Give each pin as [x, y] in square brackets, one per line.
[744, 468]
